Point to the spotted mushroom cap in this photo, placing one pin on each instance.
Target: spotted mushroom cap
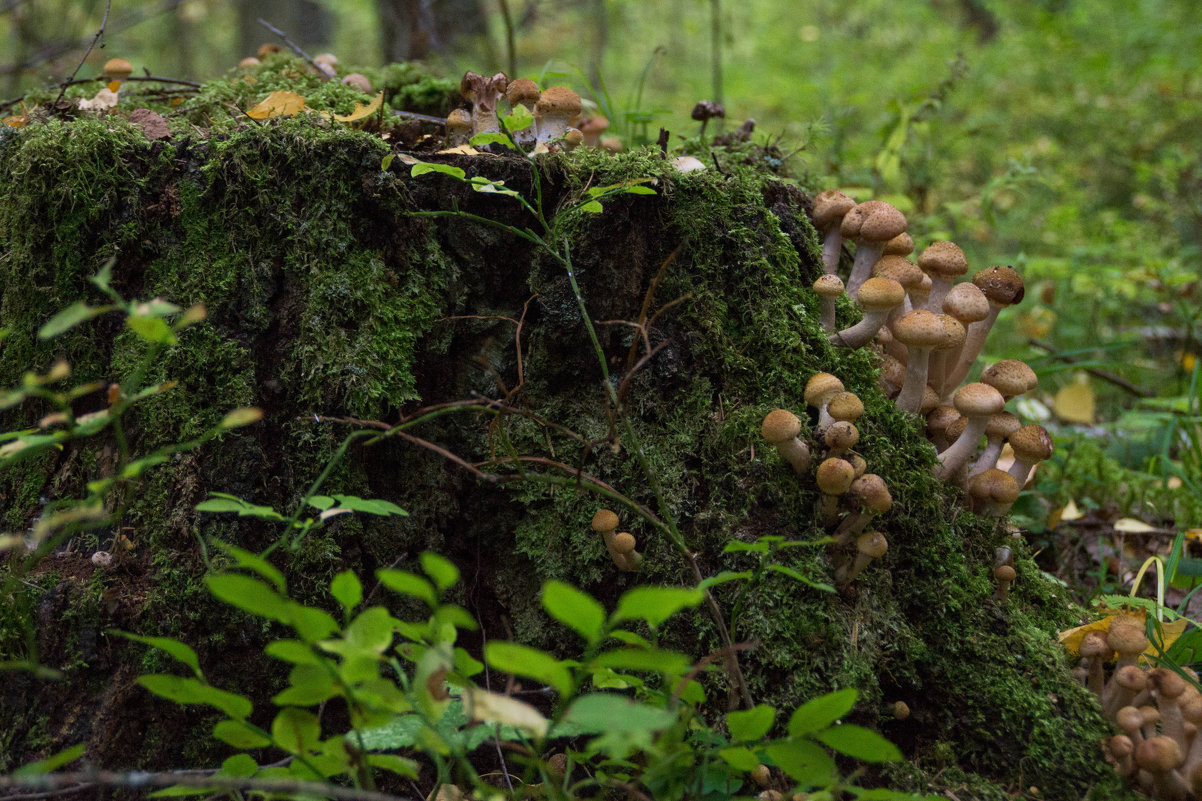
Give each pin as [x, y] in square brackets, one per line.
[872, 493]
[1031, 443]
[780, 425]
[976, 399]
[1011, 377]
[835, 476]
[845, 406]
[873, 544]
[899, 268]
[821, 387]
[1126, 637]
[1006, 573]
[900, 245]
[558, 101]
[943, 260]
[923, 329]
[829, 208]
[523, 91]
[624, 542]
[966, 302]
[1002, 285]
[995, 486]
[880, 293]
[605, 520]
[118, 69]
[841, 435]
[829, 286]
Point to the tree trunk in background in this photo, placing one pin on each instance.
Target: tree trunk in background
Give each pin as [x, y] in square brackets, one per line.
[305, 22]
[600, 15]
[415, 29]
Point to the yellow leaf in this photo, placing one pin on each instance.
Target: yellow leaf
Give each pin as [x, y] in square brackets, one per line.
[489, 707]
[16, 122]
[1194, 534]
[279, 103]
[1132, 526]
[113, 85]
[1074, 403]
[461, 150]
[1065, 514]
[1071, 639]
[361, 110]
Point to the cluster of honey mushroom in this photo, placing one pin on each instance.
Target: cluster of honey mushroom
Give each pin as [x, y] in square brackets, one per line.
[930, 328]
[851, 496]
[620, 544]
[1159, 712]
[559, 115]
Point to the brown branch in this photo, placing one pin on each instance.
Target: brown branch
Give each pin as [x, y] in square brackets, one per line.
[76, 780]
[107, 6]
[1105, 375]
[295, 47]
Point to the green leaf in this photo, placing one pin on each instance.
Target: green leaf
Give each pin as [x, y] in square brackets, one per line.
[859, 743]
[311, 624]
[804, 761]
[423, 167]
[240, 734]
[575, 609]
[751, 724]
[408, 583]
[307, 685]
[249, 595]
[746, 547]
[656, 604]
[180, 791]
[372, 630]
[482, 139]
[723, 577]
[296, 730]
[522, 660]
[104, 278]
[609, 713]
[220, 502]
[190, 691]
[347, 590]
[252, 561]
[64, 757]
[240, 765]
[482, 184]
[70, 317]
[518, 120]
[592, 207]
[293, 651]
[175, 648]
[740, 758]
[243, 416]
[392, 762]
[806, 580]
[151, 329]
[371, 506]
[442, 571]
[821, 712]
[386, 162]
[652, 659]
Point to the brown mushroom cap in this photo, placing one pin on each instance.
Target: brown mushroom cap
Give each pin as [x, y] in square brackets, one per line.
[1165, 683]
[780, 425]
[994, 487]
[943, 260]
[605, 520]
[249, 61]
[829, 286]
[1159, 754]
[900, 245]
[923, 329]
[1005, 573]
[841, 436]
[845, 406]
[835, 476]
[357, 80]
[821, 387]
[1031, 443]
[829, 208]
[966, 302]
[977, 399]
[558, 101]
[881, 223]
[1126, 638]
[1011, 377]
[1002, 425]
[880, 293]
[267, 48]
[872, 493]
[459, 120]
[940, 418]
[624, 542]
[1002, 285]
[523, 91]
[118, 69]
[899, 268]
[872, 544]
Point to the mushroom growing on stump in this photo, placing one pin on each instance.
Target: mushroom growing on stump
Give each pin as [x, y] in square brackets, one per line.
[921, 332]
[1167, 687]
[977, 403]
[900, 245]
[780, 428]
[359, 81]
[1032, 445]
[834, 478]
[873, 497]
[459, 127]
[1126, 683]
[944, 262]
[818, 392]
[1160, 756]
[1004, 575]
[938, 421]
[871, 224]
[968, 305]
[840, 437]
[484, 94]
[554, 112]
[829, 288]
[878, 297]
[1094, 651]
[993, 492]
[828, 211]
[592, 130]
[1003, 287]
[523, 92]
[1127, 638]
[869, 545]
[706, 110]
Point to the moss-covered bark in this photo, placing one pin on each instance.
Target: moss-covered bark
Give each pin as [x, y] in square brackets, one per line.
[327, 297]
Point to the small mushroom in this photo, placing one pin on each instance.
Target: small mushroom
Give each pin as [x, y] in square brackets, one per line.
[1003, 287]
[872, 496]
[118, 69]
[878, 297]
[359, 81]
[834, 478]
[1095, 652]
[944, 262]
[871, 224]
[484, 92]
[1004, 576]
[1000, 427]
[968, 305]
[1160, 756]
[993, 492]
[780, 429]
[921, 332]
[829, 288]
[1010, 377]
[840, 437]
[605, 523]
[523, 92]
[706, 110]
[818, 392]
[828, 211]
[624, 547]
[869, 545]
[977, 403]
[459, 127]
[554, 112]
[1031, 444]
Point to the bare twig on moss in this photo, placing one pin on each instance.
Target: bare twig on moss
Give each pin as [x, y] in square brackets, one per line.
[74, 781]
[99, 34]
[295, 47]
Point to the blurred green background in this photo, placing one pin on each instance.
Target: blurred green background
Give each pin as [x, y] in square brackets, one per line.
[1059, 136]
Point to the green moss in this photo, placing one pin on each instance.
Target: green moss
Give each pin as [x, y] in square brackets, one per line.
[326, 298]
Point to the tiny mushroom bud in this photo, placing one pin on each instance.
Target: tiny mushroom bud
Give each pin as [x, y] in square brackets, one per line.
[829, 287]
[593, 128]
[834, 477]
[611, 145]
[921, 332]
[1031, 444]
[871, 224]
[267, 48]
[900, 245]
[688, 164]
[359, 81]
[102, 559]
[899, 709]
[1002, 287]
[780, 428]
[118, 69]
[857, 461]
[572, 139]
[1122, 750]
[828, 211]
[704, 111]
[869, 545]
[873, 497]
[459, 127]
[978, 403]
[944, 262]
[605, 523]
[249, 61]
[818, 392]
[1005, 576]
[327, 64]
[554, 112]
[878, 297]
[993, 492]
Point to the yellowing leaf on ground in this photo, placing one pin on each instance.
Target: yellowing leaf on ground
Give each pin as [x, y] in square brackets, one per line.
[1074, 403]
[462, 150]
[489, 707]
[361, 110]
[279, 103]
[105, 99]
[19, 121]
[1194, 534]
[1065, 514]
[1071, 639]
[1132, 526]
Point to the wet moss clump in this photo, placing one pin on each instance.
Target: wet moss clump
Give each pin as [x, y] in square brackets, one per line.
[334, 298]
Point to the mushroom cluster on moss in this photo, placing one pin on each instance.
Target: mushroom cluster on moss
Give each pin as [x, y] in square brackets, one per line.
[620, 544]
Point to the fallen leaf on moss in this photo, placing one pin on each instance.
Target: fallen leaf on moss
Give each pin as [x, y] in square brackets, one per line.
[105, 99]
[1132, 526]
[1071, 638]
[279, 103]
[19, 121]
[1065, 514]
[462, 150]
[361, 110]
